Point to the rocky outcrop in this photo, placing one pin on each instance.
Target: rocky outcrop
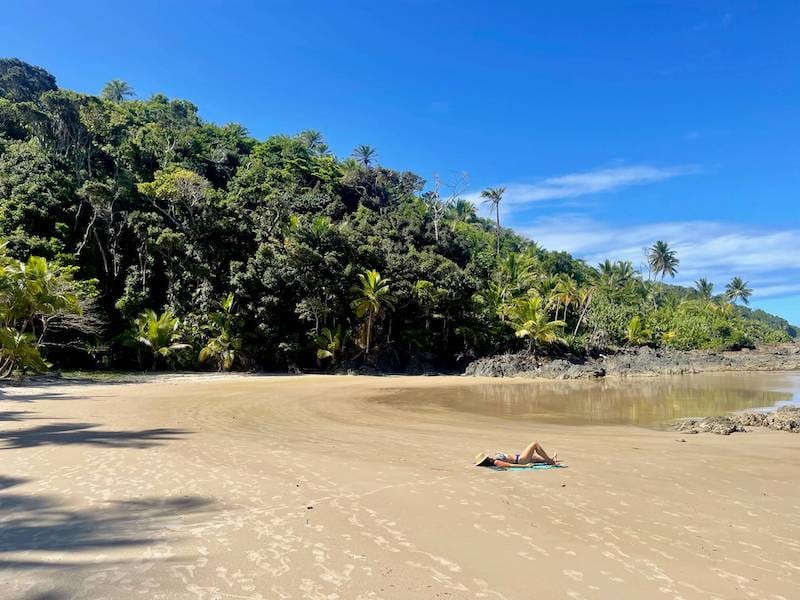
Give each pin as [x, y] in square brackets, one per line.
[786, 418]
[639, 362]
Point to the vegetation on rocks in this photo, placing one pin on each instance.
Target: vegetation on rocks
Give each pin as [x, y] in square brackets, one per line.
[125, 221]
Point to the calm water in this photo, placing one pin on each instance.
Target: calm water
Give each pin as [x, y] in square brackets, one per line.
[650, 402]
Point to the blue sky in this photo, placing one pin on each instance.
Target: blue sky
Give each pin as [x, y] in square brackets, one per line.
[613, 124]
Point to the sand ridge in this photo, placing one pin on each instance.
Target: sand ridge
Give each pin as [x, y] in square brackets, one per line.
[303, 487]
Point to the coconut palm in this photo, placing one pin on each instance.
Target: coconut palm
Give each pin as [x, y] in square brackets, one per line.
[662, 260]
[565, 293]
[462, 210]
[158, 333]
[704, 288]
[224, 347]
[117, 91]
[365, 154]
[314, 141]
[493, 197]
[517, 271]
[19, 352]
[585, 296]
[530, 320]
[637, 334]
[737, 290]
[373, 296]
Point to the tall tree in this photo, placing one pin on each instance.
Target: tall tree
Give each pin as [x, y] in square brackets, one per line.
[493, 197]
[117, 91]
[662, 260]
[704, 288]
[737, 290]
[373, 296]
[365, 154]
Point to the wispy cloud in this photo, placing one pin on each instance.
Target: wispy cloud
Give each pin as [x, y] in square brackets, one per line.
[718, 251]
[575, 185]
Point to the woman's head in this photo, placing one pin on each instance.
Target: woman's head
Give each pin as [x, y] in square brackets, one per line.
[482, 460]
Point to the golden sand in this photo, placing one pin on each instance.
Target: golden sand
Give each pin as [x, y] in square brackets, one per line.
[306, 487]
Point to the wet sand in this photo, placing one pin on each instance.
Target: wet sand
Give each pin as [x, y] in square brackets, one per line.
[307, 487]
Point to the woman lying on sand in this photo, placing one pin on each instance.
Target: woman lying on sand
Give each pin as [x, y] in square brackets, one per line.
[533, 454]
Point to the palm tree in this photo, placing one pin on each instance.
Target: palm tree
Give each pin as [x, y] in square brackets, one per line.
[637, 334]
[159, 333]
[365, 154]
[662, 260]
[517, 271]
[19, 352]
[737, 290]
[117, 91]
[530, 321]
[585, 296]
[462, 210]
[373, 296]
[493, 197]
[314, 141]
[704, 288]
[565, 293]
[224, 347]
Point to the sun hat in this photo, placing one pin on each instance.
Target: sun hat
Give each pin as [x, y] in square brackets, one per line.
[479, 460]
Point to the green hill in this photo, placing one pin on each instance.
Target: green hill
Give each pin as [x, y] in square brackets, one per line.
[262, 254]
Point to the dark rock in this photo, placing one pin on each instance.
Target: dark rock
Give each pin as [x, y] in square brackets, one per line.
[719, 425]
[639, 362]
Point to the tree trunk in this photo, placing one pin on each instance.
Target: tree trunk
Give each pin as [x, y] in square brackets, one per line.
[497, 220]
[583, 314]
[369, 333]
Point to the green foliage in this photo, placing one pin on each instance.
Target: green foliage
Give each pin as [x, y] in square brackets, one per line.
[372, 297]
[21, 82]
[160, 334]
[117, 91]
[224, 347]
[330, 343]
[34, 296]
[137, 203]
[637, 334]
[737, 290]
[531, 322]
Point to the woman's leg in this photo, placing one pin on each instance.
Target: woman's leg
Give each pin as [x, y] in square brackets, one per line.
[531, 452]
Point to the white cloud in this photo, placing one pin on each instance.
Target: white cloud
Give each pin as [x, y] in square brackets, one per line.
[589, 182]
[769, 259]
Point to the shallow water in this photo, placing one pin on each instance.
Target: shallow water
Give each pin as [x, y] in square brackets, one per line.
[647, 402]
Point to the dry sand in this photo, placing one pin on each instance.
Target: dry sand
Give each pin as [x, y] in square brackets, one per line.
[301, 487]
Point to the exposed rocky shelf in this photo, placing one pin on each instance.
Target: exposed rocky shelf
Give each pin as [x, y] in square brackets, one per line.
[641, 362]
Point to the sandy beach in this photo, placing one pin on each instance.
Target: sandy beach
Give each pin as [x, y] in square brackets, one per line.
[307, 487]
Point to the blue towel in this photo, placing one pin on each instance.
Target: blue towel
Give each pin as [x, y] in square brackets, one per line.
[533, 467]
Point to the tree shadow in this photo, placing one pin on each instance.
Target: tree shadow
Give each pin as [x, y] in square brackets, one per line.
[7, 482]
[16, 415]
[38, 523]
[86, 433]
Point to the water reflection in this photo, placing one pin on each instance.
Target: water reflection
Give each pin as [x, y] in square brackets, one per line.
[645, 402]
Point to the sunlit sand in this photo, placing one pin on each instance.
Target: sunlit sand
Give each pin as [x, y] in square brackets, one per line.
[359, 487]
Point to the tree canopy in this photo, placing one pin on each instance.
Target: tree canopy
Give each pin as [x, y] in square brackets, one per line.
[151, 219]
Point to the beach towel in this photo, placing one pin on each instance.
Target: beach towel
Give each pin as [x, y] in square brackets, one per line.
[533, 467]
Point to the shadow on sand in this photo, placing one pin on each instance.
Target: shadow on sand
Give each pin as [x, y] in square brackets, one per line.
[39, 523]
[86, 433]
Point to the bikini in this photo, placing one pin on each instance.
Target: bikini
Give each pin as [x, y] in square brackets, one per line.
[504, 457]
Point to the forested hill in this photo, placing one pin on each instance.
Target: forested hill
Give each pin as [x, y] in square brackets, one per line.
[137, 234]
